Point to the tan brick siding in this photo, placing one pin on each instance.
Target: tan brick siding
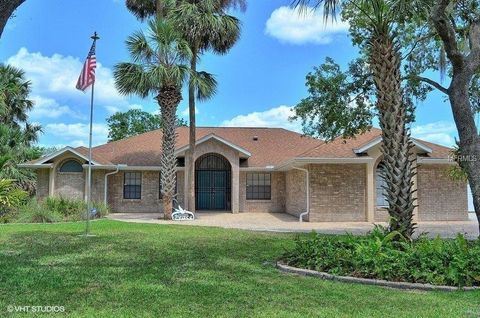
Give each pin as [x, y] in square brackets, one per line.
[149, 201]
[296, 192]
[181, 188]
[43, 179]
[338, 192]
[98, 185]
[277, 202]
[440, 198]
[70, 185]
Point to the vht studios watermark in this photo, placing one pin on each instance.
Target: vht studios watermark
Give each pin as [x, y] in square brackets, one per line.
[463, 158]
[35, 309]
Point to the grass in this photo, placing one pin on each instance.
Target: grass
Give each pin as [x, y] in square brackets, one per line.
[140, 270]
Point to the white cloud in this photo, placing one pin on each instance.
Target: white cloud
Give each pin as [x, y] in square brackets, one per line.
[50, 108]
[289, 25]
[55, 77]
[440, 132]
[274, 117]
[186, 111]
[114, 109]
[77, 134]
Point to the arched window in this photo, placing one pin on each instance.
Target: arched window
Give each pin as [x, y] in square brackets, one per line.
[380, 185]
[71, 166]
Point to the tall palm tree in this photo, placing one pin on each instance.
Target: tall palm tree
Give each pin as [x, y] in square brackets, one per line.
[207, 27]
[379, 19]
[159, 67]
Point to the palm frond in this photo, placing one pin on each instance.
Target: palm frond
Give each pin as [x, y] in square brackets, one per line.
[205, 85]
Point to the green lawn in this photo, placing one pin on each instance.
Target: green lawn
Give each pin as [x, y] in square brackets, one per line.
[137, 270]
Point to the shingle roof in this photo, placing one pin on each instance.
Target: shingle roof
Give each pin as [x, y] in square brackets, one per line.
[273, 146]
[341, 148]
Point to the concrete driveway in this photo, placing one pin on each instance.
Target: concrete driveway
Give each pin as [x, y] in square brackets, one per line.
[281, 222]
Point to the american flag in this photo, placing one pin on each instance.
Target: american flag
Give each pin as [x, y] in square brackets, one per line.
[87, 77]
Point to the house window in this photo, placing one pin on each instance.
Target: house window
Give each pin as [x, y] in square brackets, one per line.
[259, 186]
[380, 185]
[132, 185]
[71, 166]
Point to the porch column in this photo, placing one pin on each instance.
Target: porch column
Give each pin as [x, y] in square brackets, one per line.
[51, 181]
[235, 186]
[186, 182]
[371, 192]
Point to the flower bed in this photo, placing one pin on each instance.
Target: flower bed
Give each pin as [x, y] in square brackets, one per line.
[378, 255]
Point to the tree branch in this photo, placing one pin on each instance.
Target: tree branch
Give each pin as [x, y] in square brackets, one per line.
[431, 83]
[473, 59]
[446, 31]
[7, 7]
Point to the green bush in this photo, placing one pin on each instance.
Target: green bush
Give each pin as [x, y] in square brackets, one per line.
[35, 212]
[379, 255]
[54, 210]
[10, 195]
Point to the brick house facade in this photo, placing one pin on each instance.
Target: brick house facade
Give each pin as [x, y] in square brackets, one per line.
[255, 170]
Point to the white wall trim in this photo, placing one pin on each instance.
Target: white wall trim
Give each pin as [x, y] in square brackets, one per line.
[378, 140]
[243, 151]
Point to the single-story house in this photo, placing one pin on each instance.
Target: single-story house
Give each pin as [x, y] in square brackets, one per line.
[255, 170]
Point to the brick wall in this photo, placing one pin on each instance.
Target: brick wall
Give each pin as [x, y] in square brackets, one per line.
[277, 202]
[98, 185]
[440, 198]
[296, 192]
[43, 178]
[70, 185]
[149, 202]
[338, 192]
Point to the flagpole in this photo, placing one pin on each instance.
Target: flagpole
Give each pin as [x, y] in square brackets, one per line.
[89, 178]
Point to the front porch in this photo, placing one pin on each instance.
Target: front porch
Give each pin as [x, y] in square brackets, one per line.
[282, 222]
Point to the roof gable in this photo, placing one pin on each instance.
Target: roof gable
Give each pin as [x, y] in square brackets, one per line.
[243, 152]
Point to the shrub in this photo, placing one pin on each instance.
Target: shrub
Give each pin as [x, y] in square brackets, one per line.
[35, 212]
[10, 197]
[386, 256]
[55, 210]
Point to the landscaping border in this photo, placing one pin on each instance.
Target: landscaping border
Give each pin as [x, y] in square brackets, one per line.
[368, 281]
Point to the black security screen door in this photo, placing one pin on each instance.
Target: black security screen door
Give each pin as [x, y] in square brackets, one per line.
[212, 183]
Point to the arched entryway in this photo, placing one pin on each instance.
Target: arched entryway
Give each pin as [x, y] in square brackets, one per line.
[213, 183]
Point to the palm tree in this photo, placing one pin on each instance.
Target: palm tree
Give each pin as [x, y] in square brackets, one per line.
[379, 18]
[14, 92]
[159, 68]
[207, 27]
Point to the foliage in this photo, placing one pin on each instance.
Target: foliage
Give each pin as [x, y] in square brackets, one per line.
[339, 103]
[122, 125]
[17, 135]
[55, 209]
[10, 196]
[159, 68]
[390, 256]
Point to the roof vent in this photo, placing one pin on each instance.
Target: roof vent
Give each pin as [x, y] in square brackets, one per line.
[255, 138]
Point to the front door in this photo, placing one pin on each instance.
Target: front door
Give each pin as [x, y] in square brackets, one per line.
[212, 183]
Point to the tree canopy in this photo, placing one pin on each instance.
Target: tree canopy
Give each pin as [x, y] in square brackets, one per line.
[122, 125]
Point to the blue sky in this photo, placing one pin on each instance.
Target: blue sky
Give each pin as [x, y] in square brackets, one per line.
[260, 79]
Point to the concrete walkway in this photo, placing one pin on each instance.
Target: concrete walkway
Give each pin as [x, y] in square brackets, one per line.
[281, 222]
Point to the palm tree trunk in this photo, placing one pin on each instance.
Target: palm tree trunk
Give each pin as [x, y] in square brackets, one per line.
[192, 137]
[168, 99]
[399, 171]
